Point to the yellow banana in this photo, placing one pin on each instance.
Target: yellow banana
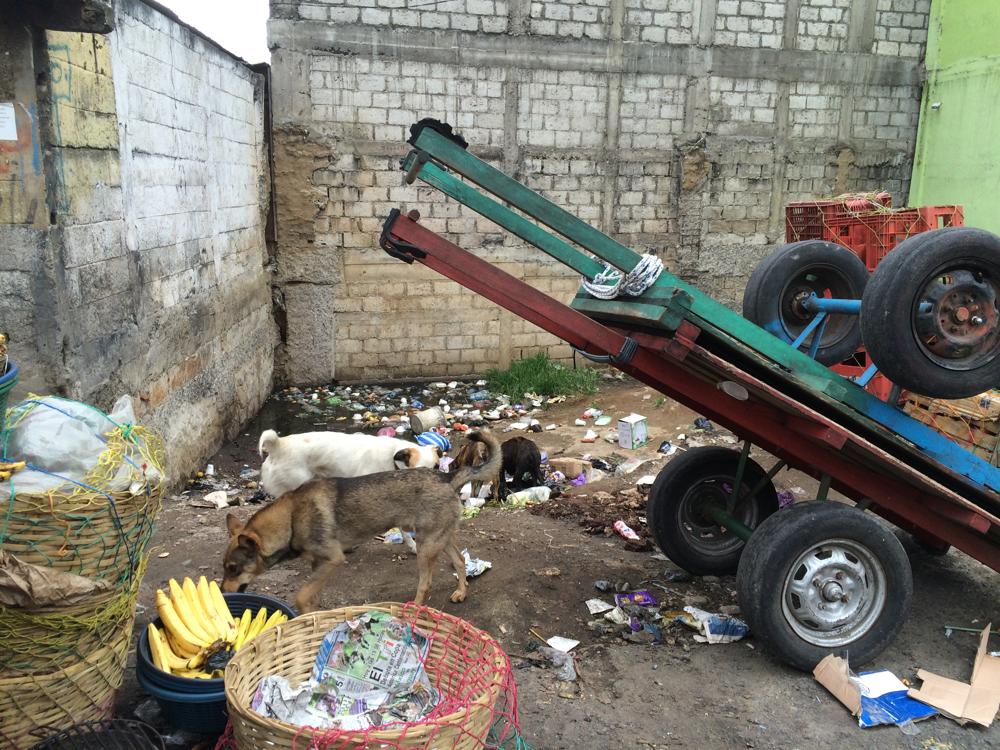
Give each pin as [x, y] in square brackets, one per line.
[204, 618]
[219, 625]
[156, 649]
[185, 652]
[242, 627]
[222, 608]
[257, 625]
[172, 621]
[187, 612]
[171, 660]
[11, 466]
[196, 674]
[273, 620]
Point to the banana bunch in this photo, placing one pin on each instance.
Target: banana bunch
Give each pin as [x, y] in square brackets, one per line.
[7, 468]
[197, 626]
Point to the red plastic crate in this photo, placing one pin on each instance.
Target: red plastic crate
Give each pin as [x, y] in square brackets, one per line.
[866, 225]
[869, 227]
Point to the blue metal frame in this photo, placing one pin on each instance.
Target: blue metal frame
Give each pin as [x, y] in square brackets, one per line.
[813, 303]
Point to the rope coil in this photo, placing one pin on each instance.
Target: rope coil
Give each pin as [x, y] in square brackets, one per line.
[611, 283]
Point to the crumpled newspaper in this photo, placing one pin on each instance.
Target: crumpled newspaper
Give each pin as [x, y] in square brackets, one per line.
[369, 672]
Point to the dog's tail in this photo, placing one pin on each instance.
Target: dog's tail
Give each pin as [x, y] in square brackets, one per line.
[268, 440]
[490, 467]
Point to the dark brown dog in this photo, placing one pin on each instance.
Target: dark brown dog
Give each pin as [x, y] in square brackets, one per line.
[521, 459]
[320, 519]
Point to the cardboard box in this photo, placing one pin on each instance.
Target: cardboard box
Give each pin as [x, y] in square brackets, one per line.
[978, 700]
[633, 431]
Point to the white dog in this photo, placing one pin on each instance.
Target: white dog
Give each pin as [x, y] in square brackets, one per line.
[293, 460]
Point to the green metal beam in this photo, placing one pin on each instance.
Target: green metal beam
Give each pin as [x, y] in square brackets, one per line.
[453, 187]
[510, 190]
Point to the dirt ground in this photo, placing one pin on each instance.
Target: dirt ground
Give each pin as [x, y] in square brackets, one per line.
[676, 694]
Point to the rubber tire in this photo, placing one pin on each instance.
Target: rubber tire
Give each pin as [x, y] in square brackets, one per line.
[886, 312]
[778, 543]
[668, 491]
[762, 295]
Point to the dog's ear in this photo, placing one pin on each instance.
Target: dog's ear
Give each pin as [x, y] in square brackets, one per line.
[234, 524]
[405, 458]
[249, 541]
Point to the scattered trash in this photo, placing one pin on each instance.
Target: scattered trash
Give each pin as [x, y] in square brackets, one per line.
[528, 496]
[433, 438]
[628, 466]
[210, 470]
[562, 644]
[474, 566]
[219, 499]
[548, 572]
[551, 426]
[703, 424]
[163, 554]
[713, 628]
[639, 598]
[977, 701]
[623, 529]
[876, 698]
[602, 420]
[597, 606]
[785, 498]
[580, 423]
[603, 585]
[632, 431]
[645, 481]
[589, 437]
[667, 448]
[618, 616]
[611, 437]
[562, 661]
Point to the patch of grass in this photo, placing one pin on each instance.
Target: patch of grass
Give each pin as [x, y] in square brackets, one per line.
[541, 375]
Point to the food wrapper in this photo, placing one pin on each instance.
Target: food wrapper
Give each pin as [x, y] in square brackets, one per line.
[641, 598]
[369, 672]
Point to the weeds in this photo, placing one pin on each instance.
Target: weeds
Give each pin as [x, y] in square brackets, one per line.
[541, 375]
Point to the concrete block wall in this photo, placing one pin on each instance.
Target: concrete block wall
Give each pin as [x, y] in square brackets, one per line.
[680, 126]
[147, 263]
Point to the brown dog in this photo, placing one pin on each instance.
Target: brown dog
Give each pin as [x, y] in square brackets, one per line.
[521, 458]
[320, 519]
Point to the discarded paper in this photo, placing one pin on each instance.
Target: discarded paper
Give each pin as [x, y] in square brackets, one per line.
[873, 697]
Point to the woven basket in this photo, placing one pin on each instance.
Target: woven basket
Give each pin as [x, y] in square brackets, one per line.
[83, 691]
[82, 533]
[42, 640]
[973, 423]
[460, 655]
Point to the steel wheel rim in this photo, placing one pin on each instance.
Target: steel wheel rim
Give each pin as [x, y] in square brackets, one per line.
[703, 534]
[823, 281]
[834, 593]
[955, 318]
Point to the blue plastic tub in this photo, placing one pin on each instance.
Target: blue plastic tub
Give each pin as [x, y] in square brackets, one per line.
[197, 706]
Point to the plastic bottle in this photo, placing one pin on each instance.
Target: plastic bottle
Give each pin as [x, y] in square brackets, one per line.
[530, 495]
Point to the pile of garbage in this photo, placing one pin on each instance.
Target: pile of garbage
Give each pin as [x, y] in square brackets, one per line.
[638, 615]
[461, 405]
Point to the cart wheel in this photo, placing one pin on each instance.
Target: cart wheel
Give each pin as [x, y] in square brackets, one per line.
[930, 318]
[674, 509]
[821, 578]
[775, 291]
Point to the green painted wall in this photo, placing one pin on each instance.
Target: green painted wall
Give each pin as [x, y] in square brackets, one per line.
[957, 157]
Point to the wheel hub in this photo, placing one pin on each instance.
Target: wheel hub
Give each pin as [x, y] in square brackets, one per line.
[833, 593]
[957, 321]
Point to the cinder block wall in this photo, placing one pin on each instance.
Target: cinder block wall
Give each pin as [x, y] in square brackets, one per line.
[141, 266]
[678, 125]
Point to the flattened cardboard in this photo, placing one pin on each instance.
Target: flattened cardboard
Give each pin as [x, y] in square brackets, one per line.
[977, 701]
[833, 674]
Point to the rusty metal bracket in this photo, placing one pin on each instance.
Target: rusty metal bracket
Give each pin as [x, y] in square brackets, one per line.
[683, 340]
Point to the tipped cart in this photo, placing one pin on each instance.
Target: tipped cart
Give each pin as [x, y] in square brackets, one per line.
[819, 577]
